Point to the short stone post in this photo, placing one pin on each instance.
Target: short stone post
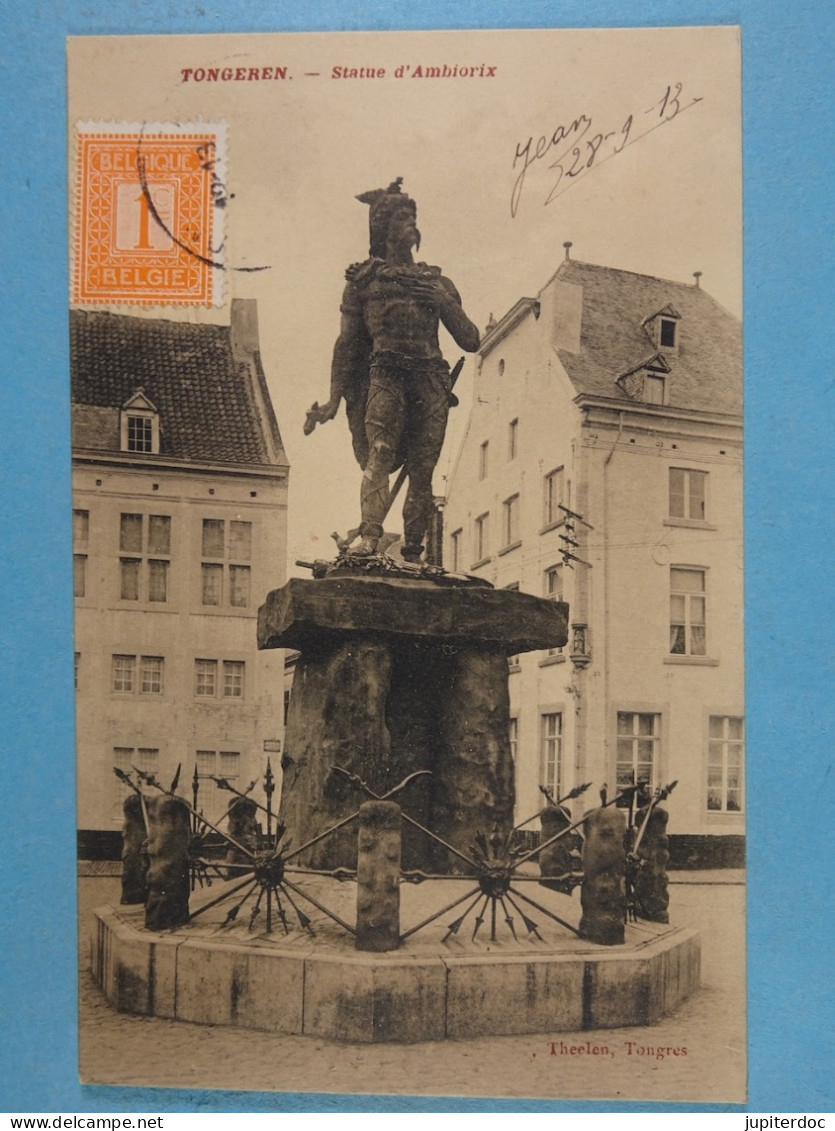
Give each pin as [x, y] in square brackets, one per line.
[650, 893]
[378, 876]
[168, 880]
[243, 828]
[134, 851]
[564, 855]
[603, 893]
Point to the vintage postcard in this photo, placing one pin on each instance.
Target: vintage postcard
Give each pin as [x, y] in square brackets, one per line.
[406, 376]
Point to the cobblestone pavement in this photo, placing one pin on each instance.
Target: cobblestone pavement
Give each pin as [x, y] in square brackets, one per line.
[121, 1049]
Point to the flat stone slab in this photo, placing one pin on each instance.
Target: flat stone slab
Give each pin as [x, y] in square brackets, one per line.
[305, 612]
[425, 991]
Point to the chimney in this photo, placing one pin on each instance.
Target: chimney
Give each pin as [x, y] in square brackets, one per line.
[567, 245]
[244, 325]
[697, 275]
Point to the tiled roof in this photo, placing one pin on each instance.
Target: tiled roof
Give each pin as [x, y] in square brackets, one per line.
[208, 407]
[706, 370]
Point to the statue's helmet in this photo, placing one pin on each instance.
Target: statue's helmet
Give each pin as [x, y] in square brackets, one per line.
[382, 203]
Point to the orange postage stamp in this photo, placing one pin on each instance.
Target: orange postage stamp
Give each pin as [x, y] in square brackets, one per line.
[148, 213]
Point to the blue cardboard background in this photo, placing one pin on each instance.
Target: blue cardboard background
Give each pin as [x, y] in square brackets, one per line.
[788, 123]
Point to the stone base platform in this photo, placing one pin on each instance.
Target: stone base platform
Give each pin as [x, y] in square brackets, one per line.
[428, 990]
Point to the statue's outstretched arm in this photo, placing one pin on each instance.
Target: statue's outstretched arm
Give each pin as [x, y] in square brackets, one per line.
[349, 352]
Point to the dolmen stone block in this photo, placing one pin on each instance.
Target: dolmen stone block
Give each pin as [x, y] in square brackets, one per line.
[397, 675]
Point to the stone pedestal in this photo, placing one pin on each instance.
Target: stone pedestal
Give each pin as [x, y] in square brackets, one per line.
[603, 894]
[398, 675]
[564, 855]
[134, 851]
[166, 905]
[650, 893]
[378, 876]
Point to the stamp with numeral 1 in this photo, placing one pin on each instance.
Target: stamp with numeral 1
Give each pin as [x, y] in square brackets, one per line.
[148, 214]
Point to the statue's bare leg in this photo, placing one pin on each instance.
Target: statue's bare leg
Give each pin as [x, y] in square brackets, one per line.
[427, 417]
[385, 417]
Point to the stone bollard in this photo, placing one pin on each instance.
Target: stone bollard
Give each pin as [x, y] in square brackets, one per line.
[564, 855]
[242, 827]
[378, 876]
[650, 895]
[603, 894]
[134, 851]
[168, 880]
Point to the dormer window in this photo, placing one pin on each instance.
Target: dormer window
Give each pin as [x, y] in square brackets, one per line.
[667, 335]
[648, 382]
[140, 433]
[140, 425]
[663, 329]
[654, 388]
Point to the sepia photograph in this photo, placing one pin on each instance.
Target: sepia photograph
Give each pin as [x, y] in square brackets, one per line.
[407, 391]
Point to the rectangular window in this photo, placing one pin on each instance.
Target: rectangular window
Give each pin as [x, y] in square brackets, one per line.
[159, 534]
[550, 774]
[638, 748]
[482, 459]
[206, 761]
[211, 764]
[668, 332]
[225, 579]
[687, 493]
[233, 679]
[239, 577]
[212, 583]
[553, 591]
[124, 673]
[553, 496]
[205, 678]
[512, 439]
[456, 561]
[140, 432]
[687, 611]
[511, 520]
[143, 577]
[79, 575]
[726, 740]
[126, 758]
[150, 675]
[80, 528]
[129, 570]
[513, 736]
[653, 389]
[76, 666]
[482, 541]
[130, 533]
[230, 764]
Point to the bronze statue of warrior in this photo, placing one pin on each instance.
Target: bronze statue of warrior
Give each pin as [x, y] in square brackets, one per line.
[387, 366]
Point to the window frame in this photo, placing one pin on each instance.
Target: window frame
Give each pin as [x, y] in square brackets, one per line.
[145, 565]
[555, 782]
[656, 736]
[513, 438]
[481, 542]
[511, 508]
[551, 513]
[231, 568]
[687, 475]
[687, 622]
[725, 742]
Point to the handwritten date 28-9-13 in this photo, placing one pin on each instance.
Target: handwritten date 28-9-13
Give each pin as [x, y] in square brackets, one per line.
[587, 150]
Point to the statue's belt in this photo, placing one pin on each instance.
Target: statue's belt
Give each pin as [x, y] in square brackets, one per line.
[388, 360]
